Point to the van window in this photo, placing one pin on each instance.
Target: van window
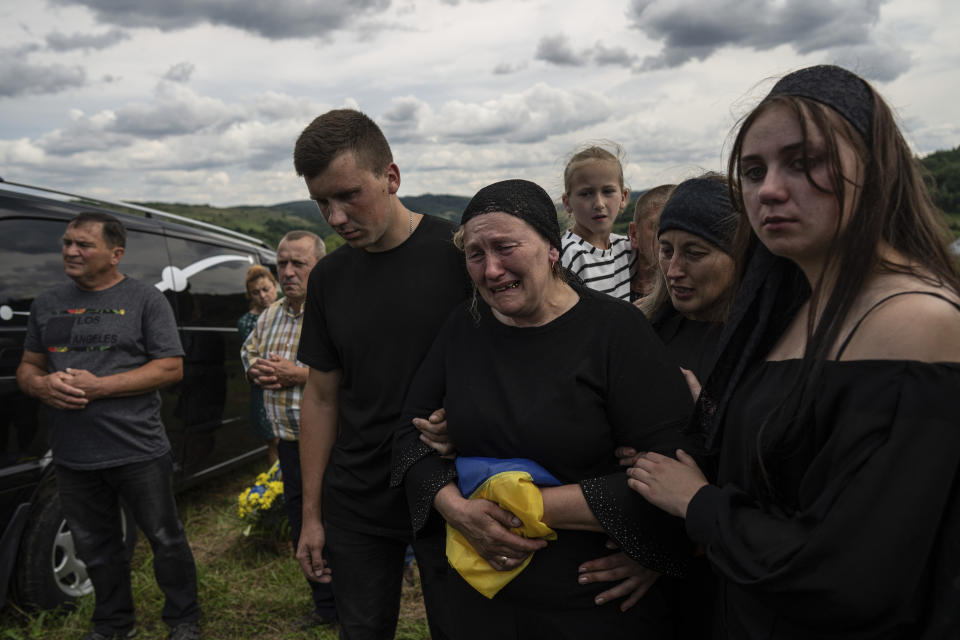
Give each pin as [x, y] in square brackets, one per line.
[33, 264]
[208, 281]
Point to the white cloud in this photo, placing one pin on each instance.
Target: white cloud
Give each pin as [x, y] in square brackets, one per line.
[175, 110]
[180, 72]
[558, 50]
[456, 86]
[617, 56]
[276, 19]
[690, 30]
[529, 116]
[19, 76]
[60, 42]
[181, 128]
[405, 119]
[21, 151]
[506, 68]
[526, 117]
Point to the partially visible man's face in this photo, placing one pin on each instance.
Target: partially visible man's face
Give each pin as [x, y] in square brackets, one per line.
[87, 259]
[648, 236]
[643, 234]
[295, 259]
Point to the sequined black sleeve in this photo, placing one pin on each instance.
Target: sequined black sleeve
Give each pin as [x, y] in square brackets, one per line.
[650, 536]
[647, 404]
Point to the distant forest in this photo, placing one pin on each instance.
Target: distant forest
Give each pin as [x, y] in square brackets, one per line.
[270, 223]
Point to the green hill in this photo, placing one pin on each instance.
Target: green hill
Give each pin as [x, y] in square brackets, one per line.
[267, 223]
[270, 223]
[944, 183]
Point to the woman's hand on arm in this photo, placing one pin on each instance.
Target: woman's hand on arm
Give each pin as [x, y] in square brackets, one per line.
[626, 456]
[633, 579]
[433, 433]
[694, 385]
[487, 528]
[667, 483]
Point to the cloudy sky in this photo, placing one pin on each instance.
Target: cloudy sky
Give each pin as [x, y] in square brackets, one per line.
[200, 101]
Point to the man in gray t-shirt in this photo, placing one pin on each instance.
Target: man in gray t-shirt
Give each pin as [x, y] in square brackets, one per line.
[96, 352]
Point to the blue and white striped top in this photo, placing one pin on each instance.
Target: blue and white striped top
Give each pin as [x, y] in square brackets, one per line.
[606, 270]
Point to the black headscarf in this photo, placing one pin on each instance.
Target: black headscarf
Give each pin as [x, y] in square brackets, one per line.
[521, 198]
[844, 92]
[701, 206]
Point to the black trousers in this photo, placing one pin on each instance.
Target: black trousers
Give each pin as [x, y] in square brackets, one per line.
[91, 505]
[289, 453]
[367, 582]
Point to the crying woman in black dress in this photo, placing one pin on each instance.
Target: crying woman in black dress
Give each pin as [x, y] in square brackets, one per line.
[546, 370]
[833, 405]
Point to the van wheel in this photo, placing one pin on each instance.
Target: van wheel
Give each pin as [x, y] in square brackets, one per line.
[49, 571]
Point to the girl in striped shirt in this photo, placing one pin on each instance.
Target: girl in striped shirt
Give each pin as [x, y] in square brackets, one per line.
[595, 195]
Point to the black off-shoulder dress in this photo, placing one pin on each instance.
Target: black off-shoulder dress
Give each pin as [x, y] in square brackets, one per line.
[864, 541]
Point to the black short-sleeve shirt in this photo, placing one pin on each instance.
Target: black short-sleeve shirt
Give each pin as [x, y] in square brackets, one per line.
[374, 316]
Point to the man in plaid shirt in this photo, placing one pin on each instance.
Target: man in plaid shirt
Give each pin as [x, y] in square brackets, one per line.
[269, 356]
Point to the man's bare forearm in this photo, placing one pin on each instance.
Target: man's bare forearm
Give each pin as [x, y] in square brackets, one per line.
[318, 432]
[148, 377]
[29, 375]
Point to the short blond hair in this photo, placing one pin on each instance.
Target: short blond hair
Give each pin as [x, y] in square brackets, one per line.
[593, 153]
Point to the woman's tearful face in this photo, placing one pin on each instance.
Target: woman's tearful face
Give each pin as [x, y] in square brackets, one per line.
[512, 266]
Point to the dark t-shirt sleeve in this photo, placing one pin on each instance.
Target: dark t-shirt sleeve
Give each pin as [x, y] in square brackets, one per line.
[31, 341]
[159, 327]
[316, 350]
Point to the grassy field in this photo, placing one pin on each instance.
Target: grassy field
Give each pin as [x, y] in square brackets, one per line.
[248, 588]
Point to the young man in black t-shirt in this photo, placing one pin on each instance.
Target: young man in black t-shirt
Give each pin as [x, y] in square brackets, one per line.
[373, 307]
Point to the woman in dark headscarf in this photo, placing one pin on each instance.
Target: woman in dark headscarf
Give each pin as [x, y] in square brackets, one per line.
[832, 406]
[552, 373]
[696, 274]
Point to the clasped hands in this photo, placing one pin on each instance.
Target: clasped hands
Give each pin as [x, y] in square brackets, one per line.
[69, 389]
[274, 372]
[486, 527]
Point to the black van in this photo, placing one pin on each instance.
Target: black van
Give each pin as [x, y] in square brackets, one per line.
[201, 269]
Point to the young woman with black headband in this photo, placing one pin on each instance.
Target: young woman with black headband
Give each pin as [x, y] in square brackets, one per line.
[832, 409]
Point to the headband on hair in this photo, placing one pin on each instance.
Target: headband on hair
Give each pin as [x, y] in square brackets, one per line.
[701, 206]
[521, 198]
[846, 93]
